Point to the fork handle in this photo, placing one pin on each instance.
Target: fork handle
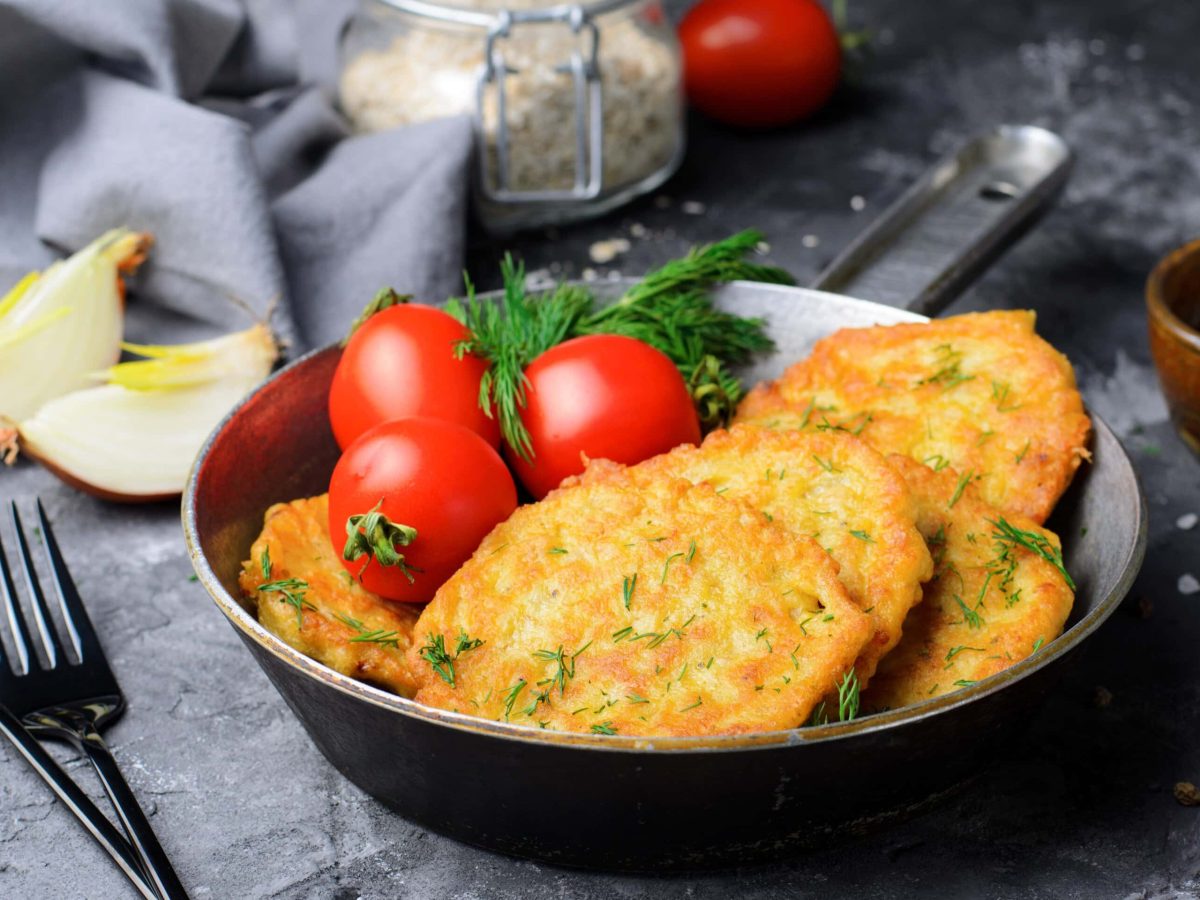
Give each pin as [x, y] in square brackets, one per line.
[71, 796]
[154, 859]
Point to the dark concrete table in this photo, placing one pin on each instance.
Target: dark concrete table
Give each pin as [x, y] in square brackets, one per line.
[1081, 808]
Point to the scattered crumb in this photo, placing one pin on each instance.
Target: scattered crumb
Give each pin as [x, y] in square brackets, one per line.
[857, 203]
[1187, 521]
[638, 230]
[1188, 584]
[693, 208]
[810, 241]
[1186, 793]
[589, 274]
[606, 251]
[1102, 696]
[662, 201]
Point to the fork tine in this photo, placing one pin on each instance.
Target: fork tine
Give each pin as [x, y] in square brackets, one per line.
[16, 621]
[79, 626]
[41, 615]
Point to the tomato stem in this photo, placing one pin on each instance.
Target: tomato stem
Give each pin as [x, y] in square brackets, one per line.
[372, 534]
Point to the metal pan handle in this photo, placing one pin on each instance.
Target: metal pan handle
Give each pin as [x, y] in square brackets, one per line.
[949, 226]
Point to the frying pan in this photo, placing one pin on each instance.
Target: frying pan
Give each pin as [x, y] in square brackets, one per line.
[616, 802]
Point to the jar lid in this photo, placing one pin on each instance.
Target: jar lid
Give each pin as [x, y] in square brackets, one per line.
[489, 13]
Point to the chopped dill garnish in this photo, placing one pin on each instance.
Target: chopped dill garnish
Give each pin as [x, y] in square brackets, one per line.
[636, 698]
[818, 716]
[796, 662]
[604, 728]
[1000, 391]
[804, 630]
[510, 696]
[1037, 645]
[434, 652]
[1039, 544]
[848, 696]
[964, 682]
[439, 660]
[699, 700]
[691, 554]
[963, 481]
[954, 651]
[939, 462]
[667, 566]
[825, 464]
[762, 636]
[950, 372]
[558, 551]
[863, 536]
[970, 616]
[1020, 456]
[627, 588]
[292, 593]
[618, 636]
[265, 562]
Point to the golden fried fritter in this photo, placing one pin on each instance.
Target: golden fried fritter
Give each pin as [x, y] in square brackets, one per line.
[825, 485]
[993, 601]
[316, 607]
[981, 393]
[657, 609]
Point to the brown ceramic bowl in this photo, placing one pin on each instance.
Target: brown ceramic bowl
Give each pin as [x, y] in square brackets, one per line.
[616, 802]
[1173, 306]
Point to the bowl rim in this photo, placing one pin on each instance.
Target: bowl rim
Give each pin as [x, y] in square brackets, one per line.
[1156, 295]
[249, 628]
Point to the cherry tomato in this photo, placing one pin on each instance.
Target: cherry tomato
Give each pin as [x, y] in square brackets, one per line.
[606, 396]
[441, 479]
[759, 63]
[400, 363]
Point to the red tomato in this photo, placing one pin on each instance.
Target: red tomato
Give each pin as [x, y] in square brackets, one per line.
[759, 62]
[400, 363]
[439, 478]
[605, 396]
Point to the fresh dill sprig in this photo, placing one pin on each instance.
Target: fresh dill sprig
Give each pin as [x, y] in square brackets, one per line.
[264, 562]
[670, 309]
[509, 335]
[628, 586]
[604, 728]
[1038, 544]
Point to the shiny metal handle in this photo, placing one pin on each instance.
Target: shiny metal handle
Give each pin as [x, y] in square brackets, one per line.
[958, 218]
[154, 859]
[88, 814]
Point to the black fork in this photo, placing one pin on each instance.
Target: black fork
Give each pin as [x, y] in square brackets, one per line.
[72, 702]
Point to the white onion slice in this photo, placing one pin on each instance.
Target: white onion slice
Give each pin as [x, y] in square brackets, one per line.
[135, 445]
[58, 327]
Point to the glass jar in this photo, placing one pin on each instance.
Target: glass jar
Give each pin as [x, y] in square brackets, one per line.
[577, 108]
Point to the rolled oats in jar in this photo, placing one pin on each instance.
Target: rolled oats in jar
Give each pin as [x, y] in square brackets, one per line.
[577, 108]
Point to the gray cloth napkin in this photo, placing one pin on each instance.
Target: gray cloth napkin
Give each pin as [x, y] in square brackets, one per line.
[210, 123]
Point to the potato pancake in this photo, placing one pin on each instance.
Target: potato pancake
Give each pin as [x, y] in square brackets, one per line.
[313, 604]
[981, 393]
[997, 595]
[657, 609]
[825, 485]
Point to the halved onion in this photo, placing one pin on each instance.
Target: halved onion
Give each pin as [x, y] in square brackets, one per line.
[135, 438]
[59, 326]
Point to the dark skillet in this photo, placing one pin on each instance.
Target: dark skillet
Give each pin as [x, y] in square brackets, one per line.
[625, 803]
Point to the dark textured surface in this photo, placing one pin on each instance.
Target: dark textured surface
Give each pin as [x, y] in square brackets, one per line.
[1082, 808]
